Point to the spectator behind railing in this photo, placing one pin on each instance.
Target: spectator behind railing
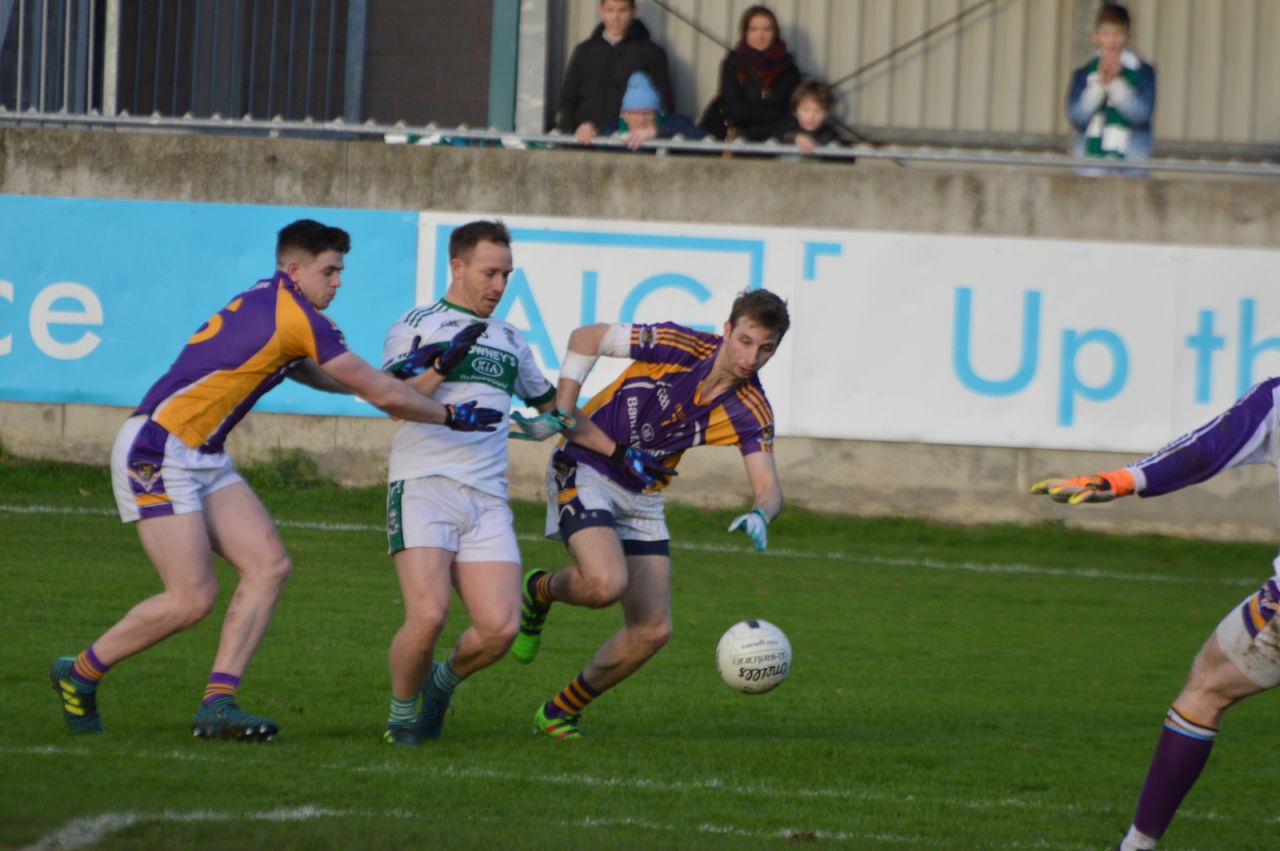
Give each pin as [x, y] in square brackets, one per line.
[757, 79]
[641, 117]
[1112, 98]
[591, 95]
[811, 126]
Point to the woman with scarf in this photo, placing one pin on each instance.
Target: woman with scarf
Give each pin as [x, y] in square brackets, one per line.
[756, 81]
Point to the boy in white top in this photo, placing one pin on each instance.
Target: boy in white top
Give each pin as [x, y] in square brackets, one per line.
[448, 522]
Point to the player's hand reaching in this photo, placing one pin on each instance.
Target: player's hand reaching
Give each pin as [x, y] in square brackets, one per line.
[442, 357]
[540, 427]
[457, 349]
[648, 469]
[755, 525]
[1102, 487]
[465, 416]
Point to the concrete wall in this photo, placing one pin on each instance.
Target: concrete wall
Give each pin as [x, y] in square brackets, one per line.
[954, 483]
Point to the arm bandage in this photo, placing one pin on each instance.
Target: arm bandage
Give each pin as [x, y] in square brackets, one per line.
[616, 343]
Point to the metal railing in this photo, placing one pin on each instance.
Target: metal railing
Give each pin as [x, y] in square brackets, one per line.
[260, 58]
[431, 134]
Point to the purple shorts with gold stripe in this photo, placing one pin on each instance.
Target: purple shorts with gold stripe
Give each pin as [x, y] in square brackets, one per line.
[153, 474]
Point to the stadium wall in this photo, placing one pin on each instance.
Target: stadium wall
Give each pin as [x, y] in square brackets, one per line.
[954, 482]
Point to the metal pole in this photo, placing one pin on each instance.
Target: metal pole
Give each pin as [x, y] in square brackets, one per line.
[504, 48]
[22, 26]
[353, 88]
[111, 59]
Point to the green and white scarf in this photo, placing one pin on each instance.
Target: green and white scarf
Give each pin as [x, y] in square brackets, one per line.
[1108, 133]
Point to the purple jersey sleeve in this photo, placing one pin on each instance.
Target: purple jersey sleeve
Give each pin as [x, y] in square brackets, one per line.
[667, 342]
[1243, 434]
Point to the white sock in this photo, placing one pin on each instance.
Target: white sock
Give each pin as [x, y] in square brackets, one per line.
[1136, 840]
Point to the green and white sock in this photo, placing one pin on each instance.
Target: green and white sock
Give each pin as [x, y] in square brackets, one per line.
[444, 679]
[403, 711]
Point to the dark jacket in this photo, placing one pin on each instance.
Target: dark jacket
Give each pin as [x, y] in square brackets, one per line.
[826, 133]
[746, 104]
[598, 72]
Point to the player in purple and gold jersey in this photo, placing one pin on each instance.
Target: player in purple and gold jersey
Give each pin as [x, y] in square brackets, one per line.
[1242, 656]
[684, 389]
[172, 477]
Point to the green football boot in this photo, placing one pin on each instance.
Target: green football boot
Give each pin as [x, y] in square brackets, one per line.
[223, 719]
[532, 616]
[565, 727]
[79, 708]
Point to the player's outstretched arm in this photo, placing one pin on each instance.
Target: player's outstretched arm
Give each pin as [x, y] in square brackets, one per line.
[586, 344]
[1100, 487]
[762, 473]
[310, 374]
[398, 399]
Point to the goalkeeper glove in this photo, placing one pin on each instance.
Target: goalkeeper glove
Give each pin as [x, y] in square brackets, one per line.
[755, 525]
[540, 427]
[648, 469]
[1102, 487]
[465, 416]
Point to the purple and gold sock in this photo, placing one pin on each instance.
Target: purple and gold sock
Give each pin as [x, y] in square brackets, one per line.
[88, 670]
[540, 588]
[221, 687]
[1180, 755]
[576, 696]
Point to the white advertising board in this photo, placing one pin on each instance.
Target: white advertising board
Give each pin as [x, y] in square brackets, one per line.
[909, 337]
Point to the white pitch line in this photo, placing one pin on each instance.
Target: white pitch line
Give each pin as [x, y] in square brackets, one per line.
[85, 831]
[776, 552]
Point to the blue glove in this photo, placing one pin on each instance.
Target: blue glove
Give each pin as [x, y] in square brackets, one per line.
[540, 427]
[465, 416]
[457, 348]
[755, 525]
[442, 357]
[648, 469]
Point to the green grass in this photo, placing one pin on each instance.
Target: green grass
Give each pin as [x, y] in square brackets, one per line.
[991, 687]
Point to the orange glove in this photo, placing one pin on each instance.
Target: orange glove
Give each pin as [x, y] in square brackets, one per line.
[1102, 487]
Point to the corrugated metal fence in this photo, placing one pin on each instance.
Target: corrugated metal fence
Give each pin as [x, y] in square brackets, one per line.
[293, 58]
[1000, 75]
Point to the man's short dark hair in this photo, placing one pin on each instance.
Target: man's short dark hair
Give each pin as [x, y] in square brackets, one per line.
[464, 239]
[312, 237]
[763, 308]
[1113, 14]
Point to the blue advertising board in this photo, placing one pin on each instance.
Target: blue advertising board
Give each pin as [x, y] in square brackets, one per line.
[97, 297]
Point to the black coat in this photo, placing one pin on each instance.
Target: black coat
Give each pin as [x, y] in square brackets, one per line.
[597, 77]
[757, 113]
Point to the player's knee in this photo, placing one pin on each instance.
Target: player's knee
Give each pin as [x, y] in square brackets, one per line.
[500, 637]
[652, 637]
[193, 605]
[279, 569]
[424, 627]
[601, 591]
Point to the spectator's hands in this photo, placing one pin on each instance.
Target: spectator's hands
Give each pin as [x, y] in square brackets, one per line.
[465, 416]
[756, 527]
[1108, 66]
[540, 427]
[640, 135]
[647, 469]
[586, 133]
[805, 143]
[1074, 490]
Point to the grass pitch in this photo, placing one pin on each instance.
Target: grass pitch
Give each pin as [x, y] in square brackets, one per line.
[960, 688]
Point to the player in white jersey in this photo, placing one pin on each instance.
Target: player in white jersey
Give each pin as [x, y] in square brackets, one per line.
[448, 522]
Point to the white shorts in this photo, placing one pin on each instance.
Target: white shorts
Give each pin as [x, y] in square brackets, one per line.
[1250, 635]
[579, 497]
[434, 511]
[153, 474]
